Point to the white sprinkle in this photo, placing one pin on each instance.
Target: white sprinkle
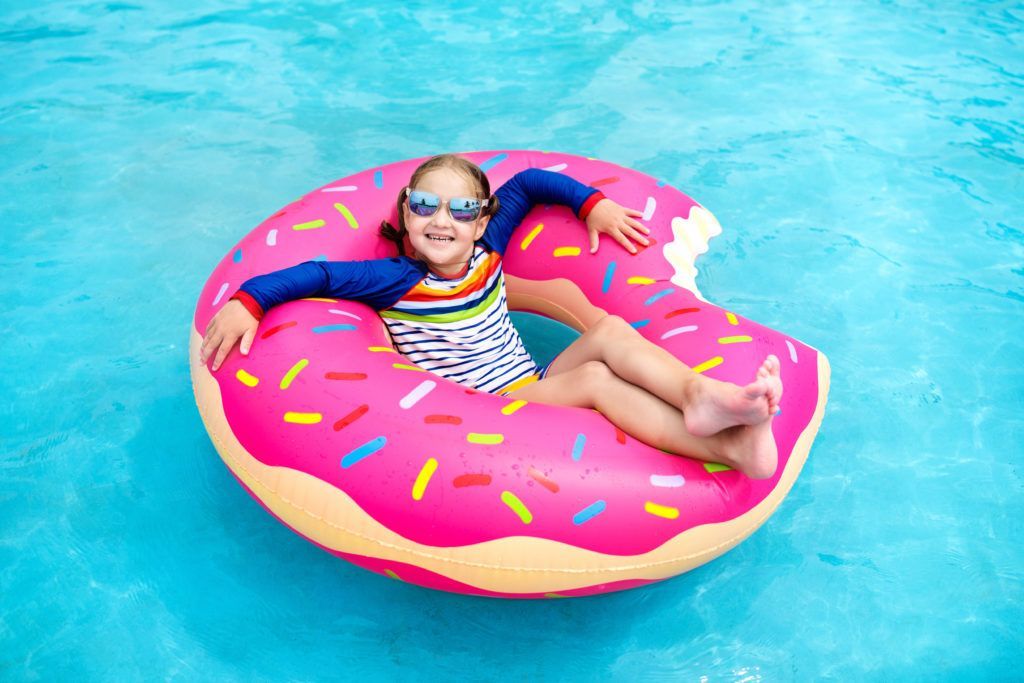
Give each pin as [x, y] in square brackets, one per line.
[413, 397]
[792, 351]
[335, 311]
[272, 238]
[667, 481]
[556, 168]
[652, 204]
[220, 294]
[679, 330]
[340, 188]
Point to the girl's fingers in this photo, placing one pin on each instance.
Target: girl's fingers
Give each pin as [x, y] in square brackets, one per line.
[208, 345]
[637, 225]
[222, 353]
[247, 341]
[635, 234]
[624, 241]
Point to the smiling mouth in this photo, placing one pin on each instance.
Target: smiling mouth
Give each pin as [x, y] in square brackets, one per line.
[439, 238]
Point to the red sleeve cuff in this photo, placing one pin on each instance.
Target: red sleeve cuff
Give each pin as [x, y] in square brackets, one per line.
[250, 304]
[589, 204]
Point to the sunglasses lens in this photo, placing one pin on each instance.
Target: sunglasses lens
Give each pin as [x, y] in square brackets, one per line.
[463, 209]
[423, 203]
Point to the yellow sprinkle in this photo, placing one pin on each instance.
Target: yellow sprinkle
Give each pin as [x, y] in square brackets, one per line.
[247, 379]
[381, 349]
[512, 407]
[554, 595]
[708, 364]
[510, 499]
[732, 318]
[640, 280]
[423, 479]
[661, 510]
[403, 366]
[567, 251]
[286, 381]
[310, 225]
[529, 238]
[343, 210]
[303, 418]
[488, 439]
[314, 298]
[734, 340]
[392, 575]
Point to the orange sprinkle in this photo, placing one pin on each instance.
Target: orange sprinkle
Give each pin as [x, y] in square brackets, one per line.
[620, 435]
[539, 477]
[442, 419]
[605, 181]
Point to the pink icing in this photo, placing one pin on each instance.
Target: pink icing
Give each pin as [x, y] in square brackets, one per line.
[536, 438]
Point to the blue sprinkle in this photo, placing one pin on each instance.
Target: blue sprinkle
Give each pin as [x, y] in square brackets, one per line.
[608, 274]
[577, 448]
[659, 295]
[661, 183]
[341, 327]
[640, 323]
[589, 512]
[378, 179]
[364, 451]
[237, 258]
[493, 161]
[321, 257]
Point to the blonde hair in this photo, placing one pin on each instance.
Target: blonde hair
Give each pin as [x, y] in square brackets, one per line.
[465, 167]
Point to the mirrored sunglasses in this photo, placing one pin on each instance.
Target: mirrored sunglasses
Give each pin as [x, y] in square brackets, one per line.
[462, 209]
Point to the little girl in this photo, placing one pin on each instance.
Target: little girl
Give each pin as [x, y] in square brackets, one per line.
[445, 309]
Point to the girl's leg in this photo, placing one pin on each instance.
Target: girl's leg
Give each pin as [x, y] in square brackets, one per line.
[750, 449]
[708, 405]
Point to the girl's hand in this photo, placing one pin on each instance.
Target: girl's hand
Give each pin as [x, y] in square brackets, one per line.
[617, 222]
[233, 322]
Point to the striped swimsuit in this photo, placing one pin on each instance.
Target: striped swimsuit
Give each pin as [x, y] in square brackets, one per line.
[458, 328]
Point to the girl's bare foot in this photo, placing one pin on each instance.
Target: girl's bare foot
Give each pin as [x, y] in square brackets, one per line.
[712, 406]
[750, 449]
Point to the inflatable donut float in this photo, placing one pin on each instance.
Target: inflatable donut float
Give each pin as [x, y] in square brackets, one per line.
[427, 481]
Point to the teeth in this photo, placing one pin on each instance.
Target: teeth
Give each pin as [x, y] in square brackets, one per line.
[440, 239]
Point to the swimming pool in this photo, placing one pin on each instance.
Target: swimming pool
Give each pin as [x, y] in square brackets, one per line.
[866, 167]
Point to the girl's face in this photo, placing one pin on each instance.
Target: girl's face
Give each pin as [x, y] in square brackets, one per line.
[445, 244]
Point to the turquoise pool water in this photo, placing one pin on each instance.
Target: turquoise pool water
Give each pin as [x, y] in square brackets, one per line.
[865, 161]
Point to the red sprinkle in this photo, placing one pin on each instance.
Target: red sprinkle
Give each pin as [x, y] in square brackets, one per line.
[278, 328]
[472, 480]
[650, 243]
[539, 477]
[620, 435]
[351, 417]
[605, 181]
[680, 311]
[345, 375]
[442, 419]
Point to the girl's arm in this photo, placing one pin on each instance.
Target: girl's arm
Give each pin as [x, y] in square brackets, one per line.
[535, 186]
[378, 283]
